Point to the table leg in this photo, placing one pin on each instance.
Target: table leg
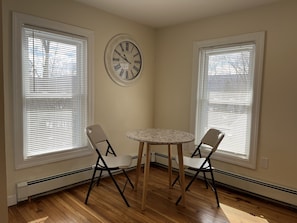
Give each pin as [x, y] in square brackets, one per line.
[181, 173]
[169, 166]
[138, 167]
[146, 175]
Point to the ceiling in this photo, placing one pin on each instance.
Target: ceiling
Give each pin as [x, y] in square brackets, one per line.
[162, 13]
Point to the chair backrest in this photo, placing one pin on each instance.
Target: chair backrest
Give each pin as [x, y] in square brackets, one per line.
[213, 138]
[95, 135]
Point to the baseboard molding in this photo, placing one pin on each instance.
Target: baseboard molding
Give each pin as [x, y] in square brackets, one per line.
[49, 184]
[283, 195]
[265, 190]
[11, 200]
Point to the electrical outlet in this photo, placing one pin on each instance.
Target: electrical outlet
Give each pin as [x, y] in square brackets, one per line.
[264, 162]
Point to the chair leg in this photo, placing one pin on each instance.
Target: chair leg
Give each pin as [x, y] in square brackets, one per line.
[174, 182]
[130, 182]
[188, 186]
[91, 185]
[99, 177]
[117, 186]
[205, 180]
[215, 188]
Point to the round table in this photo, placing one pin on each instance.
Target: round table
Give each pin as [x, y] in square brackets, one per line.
[160, 137]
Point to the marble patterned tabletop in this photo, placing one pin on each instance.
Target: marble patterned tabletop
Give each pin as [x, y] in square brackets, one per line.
[160, 136]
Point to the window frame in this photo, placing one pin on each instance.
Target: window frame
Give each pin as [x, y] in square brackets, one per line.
[19, 20]
[258, 39]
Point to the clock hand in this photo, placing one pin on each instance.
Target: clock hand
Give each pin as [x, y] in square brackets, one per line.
[123, 57]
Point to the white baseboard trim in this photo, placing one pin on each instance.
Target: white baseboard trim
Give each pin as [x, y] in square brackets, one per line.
[11, 200]
[50, 184]
[265, 190]
[259, 188]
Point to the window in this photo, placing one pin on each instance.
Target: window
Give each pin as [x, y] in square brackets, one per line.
[226, 96]
[52, 90]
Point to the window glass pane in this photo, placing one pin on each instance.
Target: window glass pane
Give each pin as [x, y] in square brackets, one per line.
[55, 92]
[226, 98]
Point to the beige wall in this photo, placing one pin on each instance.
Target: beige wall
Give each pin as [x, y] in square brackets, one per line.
[3, 194]
[278, 120]
[117, 108]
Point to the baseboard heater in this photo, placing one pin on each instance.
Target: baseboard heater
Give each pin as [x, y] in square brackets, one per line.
[261, 183]
[269, 191]
[29, 189]
[280, 194]
[50, 184]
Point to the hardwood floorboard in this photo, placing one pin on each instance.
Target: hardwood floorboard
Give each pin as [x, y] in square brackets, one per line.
[106, 205]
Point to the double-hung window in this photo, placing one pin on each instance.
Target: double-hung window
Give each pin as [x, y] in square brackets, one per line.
[226, 94]
[52, 90]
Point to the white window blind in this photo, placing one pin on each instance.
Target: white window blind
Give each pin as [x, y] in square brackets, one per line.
[226, 98]
[226, 94]
[54, 91]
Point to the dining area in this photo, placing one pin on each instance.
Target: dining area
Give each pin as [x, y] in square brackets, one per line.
[105, 204]
[150, 192]
[108, 161]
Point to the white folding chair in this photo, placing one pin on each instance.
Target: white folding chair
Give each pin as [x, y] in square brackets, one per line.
[199, 163]
[107, 159]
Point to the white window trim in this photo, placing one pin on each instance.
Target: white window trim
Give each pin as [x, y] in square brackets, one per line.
[18, 20]
[257, 38]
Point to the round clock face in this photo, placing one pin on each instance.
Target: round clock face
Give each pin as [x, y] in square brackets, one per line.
[123, 60]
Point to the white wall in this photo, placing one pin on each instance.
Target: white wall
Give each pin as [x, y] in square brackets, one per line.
[117, 108]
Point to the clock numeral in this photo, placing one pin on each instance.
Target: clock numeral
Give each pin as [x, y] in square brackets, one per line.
[127, 46]
[116, 59]
[136, 68]
[122, 47]
[136, 54]
[137, 61]
[117, 67]
[121, 73]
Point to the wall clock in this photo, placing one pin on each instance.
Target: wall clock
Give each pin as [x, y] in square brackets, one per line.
[123, 60]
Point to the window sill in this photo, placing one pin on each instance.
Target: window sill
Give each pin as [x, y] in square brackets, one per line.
[50, 158]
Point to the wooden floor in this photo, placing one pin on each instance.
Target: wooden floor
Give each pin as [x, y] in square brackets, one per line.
[106, 205]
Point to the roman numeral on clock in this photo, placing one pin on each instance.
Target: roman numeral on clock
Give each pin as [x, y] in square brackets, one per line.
[117, 67]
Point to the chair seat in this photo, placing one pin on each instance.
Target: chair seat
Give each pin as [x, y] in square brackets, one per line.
[193, 162]
[121, 162]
